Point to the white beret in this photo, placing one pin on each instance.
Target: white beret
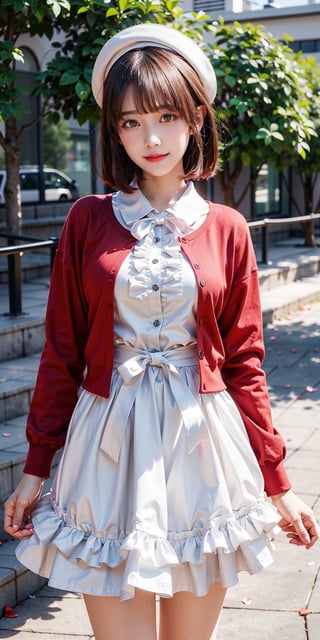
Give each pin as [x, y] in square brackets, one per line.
[146, 35]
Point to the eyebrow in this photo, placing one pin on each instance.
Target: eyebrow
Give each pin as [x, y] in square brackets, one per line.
[161, 107]
[128, 113]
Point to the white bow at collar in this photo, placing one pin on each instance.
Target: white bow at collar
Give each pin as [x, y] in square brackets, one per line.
[144, 226]
[136, 214]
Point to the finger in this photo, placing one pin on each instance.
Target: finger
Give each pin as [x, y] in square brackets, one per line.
[20, 533]
[284, 523]
[301, 531]
[313, 530]
[8, 515]
[314, 537]
[25, 528]
[20, 514]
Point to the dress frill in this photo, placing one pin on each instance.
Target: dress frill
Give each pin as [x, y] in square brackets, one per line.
[192, 561]
[199, 558]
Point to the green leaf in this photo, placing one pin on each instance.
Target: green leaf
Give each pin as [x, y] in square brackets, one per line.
[69, 77]
[246, 158]
[112, 12]
[277, 135]
[18, 55]
[231, 81]
[83, 90]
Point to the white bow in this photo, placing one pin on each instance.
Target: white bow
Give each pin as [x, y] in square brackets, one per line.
[142, 227]
[132, 370]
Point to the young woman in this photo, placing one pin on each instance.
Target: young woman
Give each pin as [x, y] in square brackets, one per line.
[151, 373]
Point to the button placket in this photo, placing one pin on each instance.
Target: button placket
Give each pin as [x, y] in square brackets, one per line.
[155, 281]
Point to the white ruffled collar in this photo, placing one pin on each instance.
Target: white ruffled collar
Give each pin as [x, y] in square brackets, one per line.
[185, 214]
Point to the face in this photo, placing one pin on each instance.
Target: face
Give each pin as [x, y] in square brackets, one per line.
[155, 142]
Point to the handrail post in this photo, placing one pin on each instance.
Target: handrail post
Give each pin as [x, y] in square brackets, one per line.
[265, 243]
[310, 227]
[53, 250]
[14, 274]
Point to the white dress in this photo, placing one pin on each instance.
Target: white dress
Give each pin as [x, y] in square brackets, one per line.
[158, 487]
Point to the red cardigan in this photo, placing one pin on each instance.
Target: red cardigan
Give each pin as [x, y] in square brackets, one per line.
[79, 327]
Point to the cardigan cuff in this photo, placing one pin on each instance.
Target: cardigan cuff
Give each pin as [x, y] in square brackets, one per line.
[39, 459]
[275, 478]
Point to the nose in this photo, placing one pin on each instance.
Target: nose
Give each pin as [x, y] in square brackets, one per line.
[151, 138]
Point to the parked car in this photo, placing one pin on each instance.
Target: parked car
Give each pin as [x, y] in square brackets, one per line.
[58, 186]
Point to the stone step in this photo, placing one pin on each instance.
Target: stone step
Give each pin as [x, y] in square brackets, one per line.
[17, 377]
[33, 265]
[23, 334]
[16, 582]
[292, 268]
[279, 301]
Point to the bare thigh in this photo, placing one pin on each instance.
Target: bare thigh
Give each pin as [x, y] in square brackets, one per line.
[190, 617]
[114, 620]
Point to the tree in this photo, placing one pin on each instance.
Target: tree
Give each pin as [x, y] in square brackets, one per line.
[308, 168]
[64, 87]
[18, 17]
[263, 103]
[56, 143]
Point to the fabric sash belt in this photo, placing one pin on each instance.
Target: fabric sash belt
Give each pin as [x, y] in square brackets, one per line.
[132, 365]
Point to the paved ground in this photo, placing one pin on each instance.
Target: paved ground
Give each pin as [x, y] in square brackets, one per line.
[283, 602]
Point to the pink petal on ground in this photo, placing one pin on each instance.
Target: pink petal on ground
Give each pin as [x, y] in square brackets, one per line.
[293, 350]
[311, 389]
[6, 435]
[9, 613]
[304, 612]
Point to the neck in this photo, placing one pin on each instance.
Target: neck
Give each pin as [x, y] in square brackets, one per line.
[161, 193]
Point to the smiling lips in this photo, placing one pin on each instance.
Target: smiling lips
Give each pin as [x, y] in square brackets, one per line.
[156, 158]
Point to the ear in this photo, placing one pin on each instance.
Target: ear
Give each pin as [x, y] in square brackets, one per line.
[201, 114]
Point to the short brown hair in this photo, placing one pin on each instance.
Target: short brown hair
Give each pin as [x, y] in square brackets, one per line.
[155, 75]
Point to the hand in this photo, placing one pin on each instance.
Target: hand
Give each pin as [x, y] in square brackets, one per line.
[18, 507]
[298, 520]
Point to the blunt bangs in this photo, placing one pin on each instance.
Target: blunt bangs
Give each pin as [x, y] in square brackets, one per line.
[156, 78]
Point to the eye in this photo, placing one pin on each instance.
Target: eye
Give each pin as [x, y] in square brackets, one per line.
[129, 124]
[168, 117]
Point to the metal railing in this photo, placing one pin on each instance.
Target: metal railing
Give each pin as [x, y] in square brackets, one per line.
[267, 223]
[15, 251]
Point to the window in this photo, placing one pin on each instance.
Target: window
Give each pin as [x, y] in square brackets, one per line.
[30, 62]
[267, 193]
[306, 46]
[29, 181]
[55, 181]
[209, 6]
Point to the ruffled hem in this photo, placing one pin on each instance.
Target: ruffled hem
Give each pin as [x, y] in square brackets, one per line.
[231, 544]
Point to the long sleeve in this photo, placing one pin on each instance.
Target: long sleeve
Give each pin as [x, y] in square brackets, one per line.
[240, 325]
[62, 361]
